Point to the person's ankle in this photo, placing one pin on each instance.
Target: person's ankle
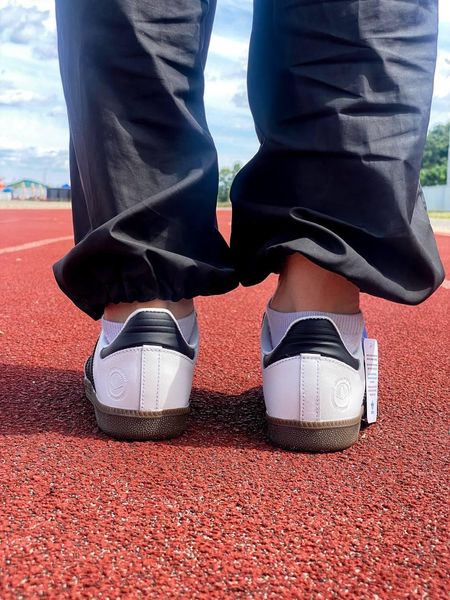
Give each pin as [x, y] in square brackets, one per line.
[304, 286]
[120, 312]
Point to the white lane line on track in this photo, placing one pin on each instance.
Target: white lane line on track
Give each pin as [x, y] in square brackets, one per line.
[446, 284]
[31, 245]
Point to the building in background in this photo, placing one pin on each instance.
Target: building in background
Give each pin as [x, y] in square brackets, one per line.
[25, 189]
[29, 189]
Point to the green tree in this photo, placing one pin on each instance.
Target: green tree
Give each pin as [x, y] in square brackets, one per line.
[226, 176]
[434, 163]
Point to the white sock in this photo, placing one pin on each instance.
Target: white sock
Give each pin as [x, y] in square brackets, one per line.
[350, 327]
[111, 329]
[187, 325]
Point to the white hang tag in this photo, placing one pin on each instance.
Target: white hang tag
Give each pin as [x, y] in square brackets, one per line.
[371, 364]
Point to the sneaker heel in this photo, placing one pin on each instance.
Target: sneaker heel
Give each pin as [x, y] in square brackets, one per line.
[314, 436]
[131, 425]
[143, 428]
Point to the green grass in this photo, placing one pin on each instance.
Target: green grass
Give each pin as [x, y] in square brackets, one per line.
[433, 214]
[439, 214]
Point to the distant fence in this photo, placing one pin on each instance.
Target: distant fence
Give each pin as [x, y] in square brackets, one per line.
[437, 197]
[58, 194]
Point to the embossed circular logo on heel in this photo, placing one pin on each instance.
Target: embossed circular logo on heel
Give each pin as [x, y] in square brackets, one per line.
[342, 393]
[117, 384]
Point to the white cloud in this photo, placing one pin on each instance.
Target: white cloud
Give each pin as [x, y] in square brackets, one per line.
[440, 108]
[237, 4]
[14, 97]
[228, 48]
[29, 26]
[31, 99]
[22, 25]
[225, 85]
[442, 78]
[444, 11]
[42, 158]
[30, 131]
[49, 166]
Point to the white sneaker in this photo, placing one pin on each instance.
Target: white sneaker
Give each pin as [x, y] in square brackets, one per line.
[140, 384]
[313, 386]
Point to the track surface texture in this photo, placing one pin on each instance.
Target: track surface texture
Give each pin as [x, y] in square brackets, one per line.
[217, 513]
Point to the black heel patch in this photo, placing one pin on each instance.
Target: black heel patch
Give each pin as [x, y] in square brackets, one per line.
[312, 336]
[150, 329]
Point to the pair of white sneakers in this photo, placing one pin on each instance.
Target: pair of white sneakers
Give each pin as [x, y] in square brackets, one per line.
[313, 386]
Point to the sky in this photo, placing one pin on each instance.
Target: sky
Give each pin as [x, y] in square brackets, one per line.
[34, 130]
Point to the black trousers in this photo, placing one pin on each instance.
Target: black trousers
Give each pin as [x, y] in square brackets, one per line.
[340, 93]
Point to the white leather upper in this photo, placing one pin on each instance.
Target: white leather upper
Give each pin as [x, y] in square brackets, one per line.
[145, 378]
[311, 387]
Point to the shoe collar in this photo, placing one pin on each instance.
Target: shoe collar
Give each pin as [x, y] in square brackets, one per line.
[266, 340]
[193, 341]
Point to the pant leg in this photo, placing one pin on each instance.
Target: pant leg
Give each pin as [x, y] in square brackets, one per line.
[143, 163]
[340, 92]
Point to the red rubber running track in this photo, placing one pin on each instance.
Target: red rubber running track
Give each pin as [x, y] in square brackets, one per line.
[217, 513]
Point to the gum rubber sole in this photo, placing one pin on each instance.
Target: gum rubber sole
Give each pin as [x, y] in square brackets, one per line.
[125, 424]
[313, 436]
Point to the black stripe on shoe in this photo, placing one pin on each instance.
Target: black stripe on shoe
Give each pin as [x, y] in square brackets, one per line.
[150, 329]
[89, 369]
[312, 336]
